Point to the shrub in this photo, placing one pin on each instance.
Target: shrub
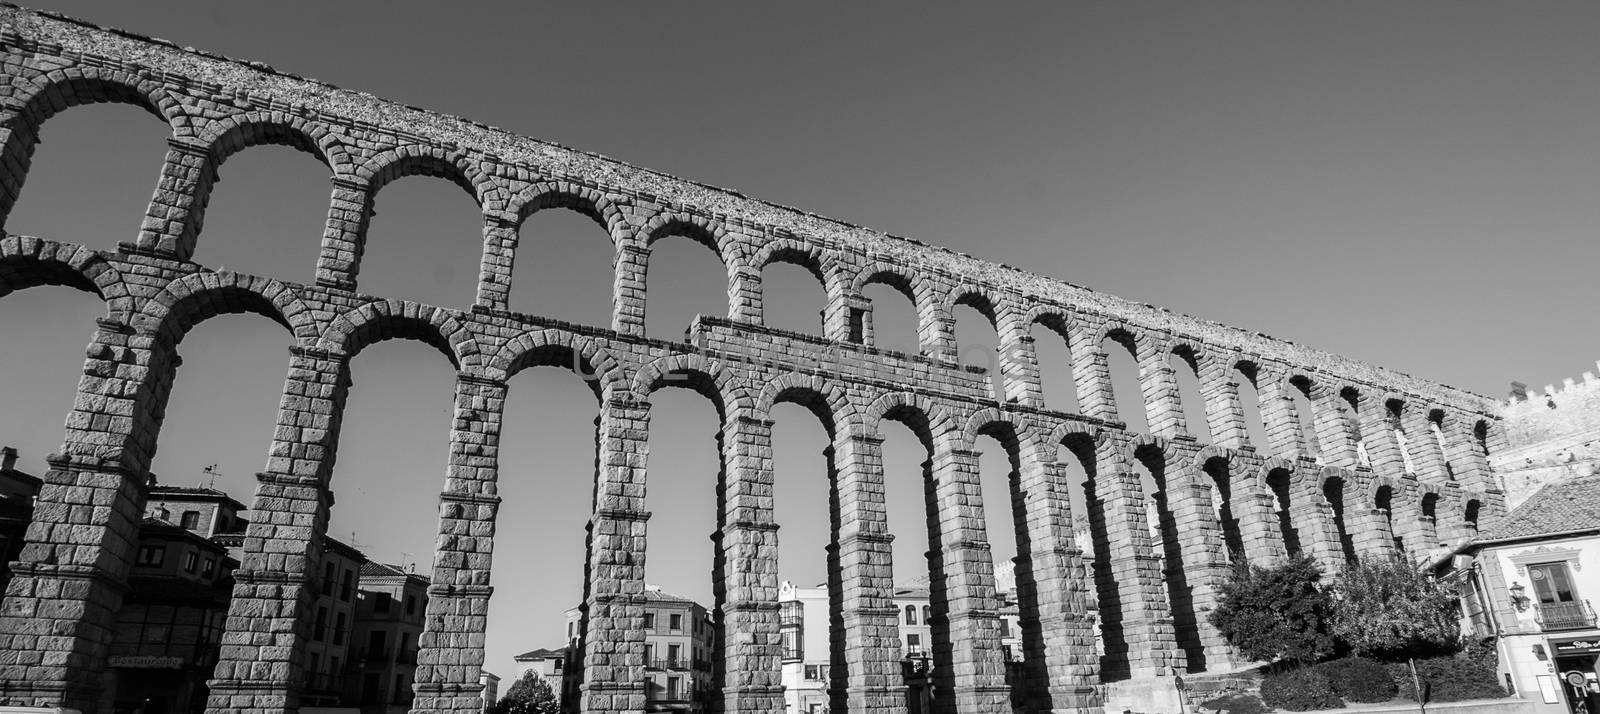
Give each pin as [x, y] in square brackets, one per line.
[1236, 704]
[1357, 679]
[1389, 610]
[1469, 675]
[1299, 690]
[1276, 613]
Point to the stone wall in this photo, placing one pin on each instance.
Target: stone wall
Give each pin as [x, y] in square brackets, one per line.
[1551, 434]
[1157, 556]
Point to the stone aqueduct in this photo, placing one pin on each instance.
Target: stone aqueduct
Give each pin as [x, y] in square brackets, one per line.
[1218, 493]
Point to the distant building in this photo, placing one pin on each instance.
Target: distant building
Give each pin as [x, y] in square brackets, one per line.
[333, 612]
[169, 630]
[803, 625]
[390, 618]
[1530, 580]
[207, 512]
[491, 690]
[550, 665]
[17, 491]
[677, 655]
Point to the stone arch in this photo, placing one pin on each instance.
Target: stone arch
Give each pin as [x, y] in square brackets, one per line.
[420, 160]
[559, 348]
[704, 231]
[38, 97]
[827, 400]
[896, 279]
[1348, 494]
[819, 263]
[699, 373]
[26, 261]
[594, 205]
[381, 320]
[226, 137]
[928, 420]
[192, 298]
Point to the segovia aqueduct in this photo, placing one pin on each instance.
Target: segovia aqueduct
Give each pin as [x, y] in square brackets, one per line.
[1362, 460]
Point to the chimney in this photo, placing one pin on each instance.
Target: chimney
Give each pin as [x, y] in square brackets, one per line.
[1519, 391]
[8, 458]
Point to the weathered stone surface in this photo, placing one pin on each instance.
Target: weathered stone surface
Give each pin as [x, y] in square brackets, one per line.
[1115, 596]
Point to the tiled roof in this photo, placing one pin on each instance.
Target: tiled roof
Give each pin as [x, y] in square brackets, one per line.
[541, 654]
[655, 595]
[372, 569]
[1559, 507]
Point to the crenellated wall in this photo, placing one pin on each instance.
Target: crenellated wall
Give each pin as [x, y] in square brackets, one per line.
[1395, 461]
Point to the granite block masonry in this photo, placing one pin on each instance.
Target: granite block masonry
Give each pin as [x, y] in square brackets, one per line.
[1361, 460]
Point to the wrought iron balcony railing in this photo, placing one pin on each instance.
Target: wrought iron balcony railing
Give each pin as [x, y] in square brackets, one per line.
[1574, 615]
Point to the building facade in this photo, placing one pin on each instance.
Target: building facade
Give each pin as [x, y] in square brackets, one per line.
[169, 628]
[1532, 581]
[389, 614]
[17, 491]
[803, 615]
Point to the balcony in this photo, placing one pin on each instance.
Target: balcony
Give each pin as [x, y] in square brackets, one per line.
[667, 696]
[669, 664]
[1553, 616]
[324, 683]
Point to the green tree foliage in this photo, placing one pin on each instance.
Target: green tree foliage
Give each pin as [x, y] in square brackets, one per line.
[1388, 610]
[529, 695]
[1278, 613]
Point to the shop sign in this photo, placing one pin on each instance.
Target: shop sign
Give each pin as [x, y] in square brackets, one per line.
[148, 662]
[1588, 645]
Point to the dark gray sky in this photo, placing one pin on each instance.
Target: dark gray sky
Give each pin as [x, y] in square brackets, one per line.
[1409, 184]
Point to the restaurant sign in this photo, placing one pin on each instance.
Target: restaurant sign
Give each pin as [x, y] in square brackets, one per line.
[148, 662]
[1586, 645]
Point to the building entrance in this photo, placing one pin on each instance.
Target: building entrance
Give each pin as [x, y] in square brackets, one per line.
[1576, 662]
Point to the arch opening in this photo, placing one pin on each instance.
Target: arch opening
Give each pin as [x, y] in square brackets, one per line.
[978, 342]
[794, 294]
[280, 237]
[1127, 383]
[1150, 464]
[100, 154]
[424, 243]
[893, 322]
[681, 284]
[1304, 411]
[1057, 382]
[1280, 483]
[1333, 490]
[1186, 370]
[564, 266]
[1246, 374]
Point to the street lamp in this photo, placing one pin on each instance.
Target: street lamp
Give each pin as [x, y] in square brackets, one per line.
[1519, 597]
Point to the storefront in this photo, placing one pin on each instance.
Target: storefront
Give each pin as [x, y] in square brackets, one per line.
[1578, 679]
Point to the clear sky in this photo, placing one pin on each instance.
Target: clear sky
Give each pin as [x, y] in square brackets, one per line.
[1410, 184]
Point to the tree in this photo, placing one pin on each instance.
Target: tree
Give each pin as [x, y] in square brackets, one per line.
[1389, 610]
[1278, 613]
[529, 695]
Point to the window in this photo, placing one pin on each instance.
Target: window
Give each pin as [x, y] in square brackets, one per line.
[569, 630]
[381, 604]
[190, 520]
[791, 644]
[1005, 627]
[322, 624]
[649, 654]
[911, 614]
[338, 629]
[411, 605]
[914, 644]
[927, 614]
[813, 672]
[558, 665]
[210, 568]
[672, 687]
[327, 578]
[674, 652]
[345, 588]
[400, 689]
[191, 561]
[1551, 582]
[675, 622]
[649, 621]
[152, 555]
[376, 641]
